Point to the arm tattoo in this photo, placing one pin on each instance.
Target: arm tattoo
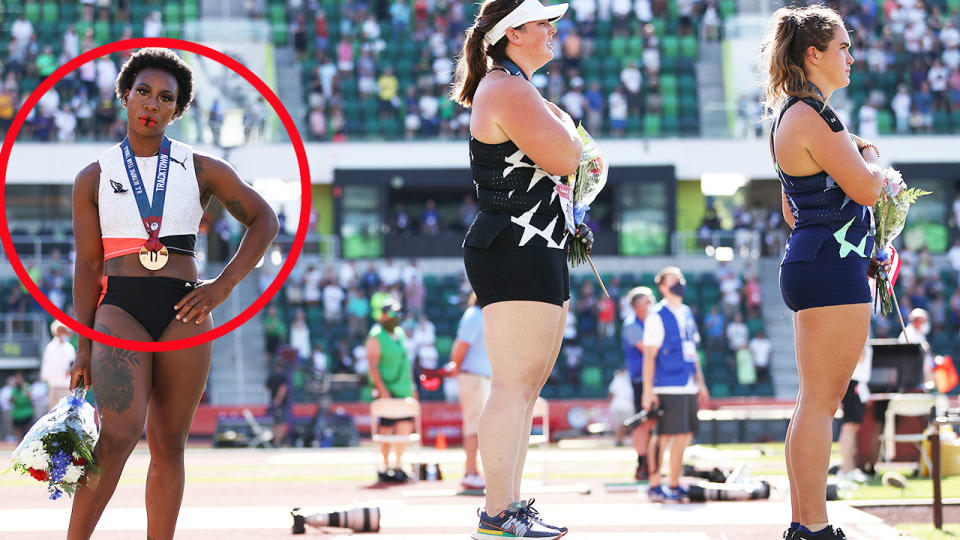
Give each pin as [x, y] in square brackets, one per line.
[115, 374]
[236, 208]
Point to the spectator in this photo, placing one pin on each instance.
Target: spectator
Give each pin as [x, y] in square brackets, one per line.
[358, 311]
[868, 121]
[916, 332]
[424, 338]
[6, 410]
[470, 364]
[901, 105]
[620, 395]
[640, 300]
[57, 360]
[760, 348]
[746, 369]
[275, 329]
[311, 286]
[390, 376]
[737, 333]
[714, 324]
[300, 336]
[320, 360]
[21, 406]
[280, 407]
[333, 298]
[618, 110]
[430, 219]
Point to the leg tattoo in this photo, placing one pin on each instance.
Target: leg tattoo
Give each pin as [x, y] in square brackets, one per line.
[115, 375]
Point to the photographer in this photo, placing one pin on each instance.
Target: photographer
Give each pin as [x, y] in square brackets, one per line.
[672, 380]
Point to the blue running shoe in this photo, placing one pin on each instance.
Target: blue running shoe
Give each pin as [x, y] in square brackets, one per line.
[679, 494]
[527, 506]
[656, 494]
[826, 534]
[512, 523]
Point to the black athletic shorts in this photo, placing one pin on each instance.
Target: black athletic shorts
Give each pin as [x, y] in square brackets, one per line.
[390, 422]
[679, 414]
[852, 406]
[505, 271]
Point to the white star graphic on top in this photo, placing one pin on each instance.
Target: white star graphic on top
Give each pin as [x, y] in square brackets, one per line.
[515, 161]
[530, 230]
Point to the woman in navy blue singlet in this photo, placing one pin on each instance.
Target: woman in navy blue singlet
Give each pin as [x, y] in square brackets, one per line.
[830, 179]
[136, 277]
[515, 252]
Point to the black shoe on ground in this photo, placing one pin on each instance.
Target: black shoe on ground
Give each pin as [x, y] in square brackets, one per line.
[400, 476]
[299, 522]
[827, 534]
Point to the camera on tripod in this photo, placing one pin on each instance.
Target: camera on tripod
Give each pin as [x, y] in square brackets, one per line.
[636, 420]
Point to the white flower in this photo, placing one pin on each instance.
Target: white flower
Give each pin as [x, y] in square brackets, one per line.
[34, 456]
[73, 474]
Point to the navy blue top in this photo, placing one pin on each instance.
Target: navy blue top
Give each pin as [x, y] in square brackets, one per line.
[821, 210]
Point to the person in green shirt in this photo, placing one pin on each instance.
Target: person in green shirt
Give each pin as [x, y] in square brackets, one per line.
[391, 377]
[21, 406]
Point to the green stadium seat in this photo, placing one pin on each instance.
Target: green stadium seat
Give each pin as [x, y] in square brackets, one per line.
[172, 13]
[941, 122]
[49, 12]
[669, 47]
[884, 122]
[279, 33]
[651, 125]
[101, 32]
[635, 47]
[31, 12]
[191, 11]
[618, 47]
[591, 378]
[727, 8]
[671, 125]
[634, 126]
[670, 105]
[689, 47]
[668, 85]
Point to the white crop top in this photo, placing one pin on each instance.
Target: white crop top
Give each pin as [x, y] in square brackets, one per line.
[121, 227]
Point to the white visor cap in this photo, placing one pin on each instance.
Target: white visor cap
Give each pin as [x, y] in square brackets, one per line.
[529, 10]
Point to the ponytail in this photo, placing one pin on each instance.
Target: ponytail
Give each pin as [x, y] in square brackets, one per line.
[792, 32]
[477, 56]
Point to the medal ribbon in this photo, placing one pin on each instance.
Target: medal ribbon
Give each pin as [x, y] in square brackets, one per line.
[152, 216]
[514, 69]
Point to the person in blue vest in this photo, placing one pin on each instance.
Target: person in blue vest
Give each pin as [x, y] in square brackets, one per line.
[641, 298]
[672, 380]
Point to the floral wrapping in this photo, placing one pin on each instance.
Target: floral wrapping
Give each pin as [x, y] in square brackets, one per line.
[890, 216]
[58, 449]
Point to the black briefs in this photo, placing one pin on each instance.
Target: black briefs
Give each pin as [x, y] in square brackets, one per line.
[149, 300]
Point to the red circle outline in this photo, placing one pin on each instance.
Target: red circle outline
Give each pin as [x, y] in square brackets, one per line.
[265, 91]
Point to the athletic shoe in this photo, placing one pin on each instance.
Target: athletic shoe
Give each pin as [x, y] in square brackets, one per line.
[299, 522]
[854, 475]
[512, 524]
[679, 494]
[527, 506]
[642, 473]
[400, 475]
[827, 534]
[656, 493]
[473, 481]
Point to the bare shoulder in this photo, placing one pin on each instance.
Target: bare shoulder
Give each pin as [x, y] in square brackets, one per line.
[499, 92]
[88, 179]
[205, 163]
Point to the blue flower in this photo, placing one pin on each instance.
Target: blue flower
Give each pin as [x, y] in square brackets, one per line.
[55, 494]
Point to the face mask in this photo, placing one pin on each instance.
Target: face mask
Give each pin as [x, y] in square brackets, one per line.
[678, 289]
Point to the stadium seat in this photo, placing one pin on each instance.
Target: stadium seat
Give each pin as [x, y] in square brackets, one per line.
[651, 125]
[884, 122]
[688, 46]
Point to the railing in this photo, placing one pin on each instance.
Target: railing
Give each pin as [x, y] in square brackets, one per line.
[39, 249]
[327, 246]
[723, 245]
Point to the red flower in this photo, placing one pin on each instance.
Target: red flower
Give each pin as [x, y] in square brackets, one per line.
[39, 476]
[79, 461]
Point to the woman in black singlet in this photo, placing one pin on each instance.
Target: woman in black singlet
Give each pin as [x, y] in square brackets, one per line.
[830, 178]
[515, 252]
[147, 290]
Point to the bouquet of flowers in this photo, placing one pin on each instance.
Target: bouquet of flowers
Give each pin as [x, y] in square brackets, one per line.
[581, 189]
[890, 215]
[58, 449]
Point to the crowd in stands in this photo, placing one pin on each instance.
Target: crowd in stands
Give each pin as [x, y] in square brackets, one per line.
[82, 106]
[325, 315]
[740, 225]
[384, 68]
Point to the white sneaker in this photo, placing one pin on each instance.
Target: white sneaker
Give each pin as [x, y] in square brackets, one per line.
[855, 475]
[473, 481]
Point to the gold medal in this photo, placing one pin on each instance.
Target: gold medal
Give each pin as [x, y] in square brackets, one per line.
[154, 260]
